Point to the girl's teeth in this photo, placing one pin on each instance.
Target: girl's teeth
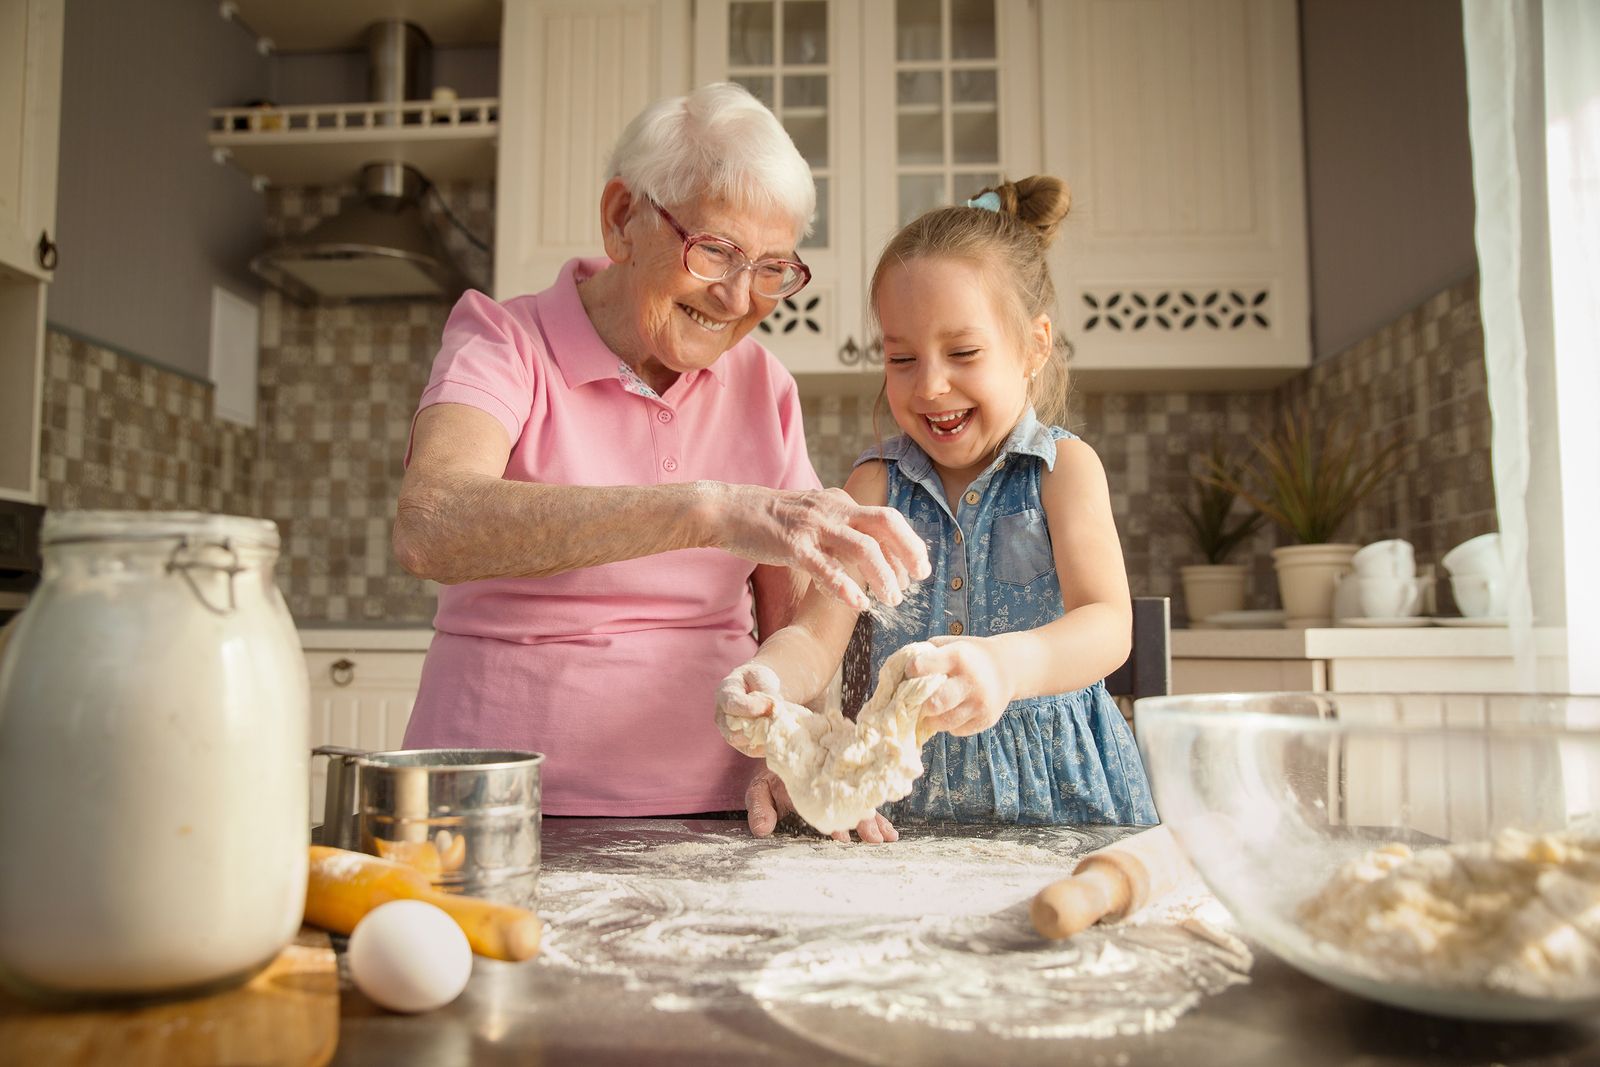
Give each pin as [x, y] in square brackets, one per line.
[946, 425]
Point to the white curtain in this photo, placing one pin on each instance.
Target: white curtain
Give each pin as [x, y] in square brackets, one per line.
[1533, 90]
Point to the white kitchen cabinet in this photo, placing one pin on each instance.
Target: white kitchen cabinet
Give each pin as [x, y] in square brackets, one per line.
[30, 114]
[899, 106]
[360, 698]
[1178, 124]
[572, 73]
[1175, 122]
[30, 107]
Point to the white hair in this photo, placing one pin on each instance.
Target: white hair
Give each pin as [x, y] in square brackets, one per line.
[718, 141]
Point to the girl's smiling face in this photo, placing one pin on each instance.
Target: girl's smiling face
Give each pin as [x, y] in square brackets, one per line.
[955, 372]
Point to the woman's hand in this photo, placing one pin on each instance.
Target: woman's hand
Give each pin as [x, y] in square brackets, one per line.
[747, 693]
[767, 800]
[976, 692]
[839, 544]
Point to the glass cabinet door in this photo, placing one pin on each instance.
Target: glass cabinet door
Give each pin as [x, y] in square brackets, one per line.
[802, 59]
[946, 103]
[960, 81]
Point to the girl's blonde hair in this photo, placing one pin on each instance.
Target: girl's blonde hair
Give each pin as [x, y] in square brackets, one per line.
[1009, 246]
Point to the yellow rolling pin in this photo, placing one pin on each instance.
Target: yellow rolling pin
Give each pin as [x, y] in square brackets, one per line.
[343, 886]
[1111, 883]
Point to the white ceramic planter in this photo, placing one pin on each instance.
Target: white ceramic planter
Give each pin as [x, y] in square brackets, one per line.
[1209, 588]
[1306, 577]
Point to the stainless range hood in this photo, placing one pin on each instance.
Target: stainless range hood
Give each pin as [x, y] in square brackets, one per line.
[378, 246]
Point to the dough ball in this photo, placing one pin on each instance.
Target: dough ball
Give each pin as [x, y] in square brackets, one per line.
[409, 956]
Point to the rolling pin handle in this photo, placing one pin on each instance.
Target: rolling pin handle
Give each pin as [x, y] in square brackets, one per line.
[1074, 904]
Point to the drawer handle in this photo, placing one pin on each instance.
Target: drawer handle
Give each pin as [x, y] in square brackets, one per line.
[48, 256]
[342, 672]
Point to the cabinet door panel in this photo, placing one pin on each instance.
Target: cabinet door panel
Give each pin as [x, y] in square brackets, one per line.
[802, 58]
[30, 103]
[572, 74]
[1177, 124]
[359, 700]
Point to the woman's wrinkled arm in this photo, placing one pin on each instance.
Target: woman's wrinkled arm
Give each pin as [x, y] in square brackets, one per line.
[459, 519]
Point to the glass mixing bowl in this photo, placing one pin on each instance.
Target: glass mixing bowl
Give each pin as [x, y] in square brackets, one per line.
[1281, 799]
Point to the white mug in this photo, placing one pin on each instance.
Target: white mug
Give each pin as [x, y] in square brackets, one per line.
[1476, 555]
[1388, 598]
[1479, 596]
[1393, 558]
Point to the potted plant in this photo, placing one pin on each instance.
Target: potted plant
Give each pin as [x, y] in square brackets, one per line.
[1216, 585]
[1308, 481]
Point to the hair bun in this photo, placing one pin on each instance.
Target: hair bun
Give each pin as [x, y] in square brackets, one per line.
[1039, 202]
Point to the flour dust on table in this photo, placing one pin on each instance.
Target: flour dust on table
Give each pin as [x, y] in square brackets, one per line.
[931, 932]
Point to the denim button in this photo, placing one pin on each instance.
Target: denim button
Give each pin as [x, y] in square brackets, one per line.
[956, 628]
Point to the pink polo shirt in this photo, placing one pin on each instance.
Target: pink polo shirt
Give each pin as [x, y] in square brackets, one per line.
[610, 671]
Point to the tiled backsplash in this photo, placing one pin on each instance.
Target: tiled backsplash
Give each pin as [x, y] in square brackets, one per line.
[121, 433]
[338, 387]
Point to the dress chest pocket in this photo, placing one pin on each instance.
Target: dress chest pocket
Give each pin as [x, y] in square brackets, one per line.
[1021, 547]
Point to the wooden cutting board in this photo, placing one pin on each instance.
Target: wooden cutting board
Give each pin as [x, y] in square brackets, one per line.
[286, 1015]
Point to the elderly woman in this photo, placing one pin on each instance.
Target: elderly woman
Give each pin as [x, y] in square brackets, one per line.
[610, 480]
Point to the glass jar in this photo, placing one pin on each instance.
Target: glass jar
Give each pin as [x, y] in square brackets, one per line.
[153, 759]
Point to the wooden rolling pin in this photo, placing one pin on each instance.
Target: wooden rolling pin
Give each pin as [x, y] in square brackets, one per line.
[343, 886]
[1111, 883]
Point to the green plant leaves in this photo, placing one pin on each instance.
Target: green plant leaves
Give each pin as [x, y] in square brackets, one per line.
[1208, 525]
[1309, 481]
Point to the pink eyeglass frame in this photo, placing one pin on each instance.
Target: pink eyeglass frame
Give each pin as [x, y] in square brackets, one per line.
[692, 239]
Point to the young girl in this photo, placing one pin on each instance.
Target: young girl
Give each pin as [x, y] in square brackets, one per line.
[1028, 600]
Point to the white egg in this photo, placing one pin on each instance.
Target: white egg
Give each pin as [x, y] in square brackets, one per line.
[409, 956]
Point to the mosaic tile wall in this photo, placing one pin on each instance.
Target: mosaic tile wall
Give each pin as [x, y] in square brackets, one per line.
[123, 434]
[1420, 379]
[338, 388]
[339, 385]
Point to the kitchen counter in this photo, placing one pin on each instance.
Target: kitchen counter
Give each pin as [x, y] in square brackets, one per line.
[1360, 660]
[551, 1011]
[328, 637]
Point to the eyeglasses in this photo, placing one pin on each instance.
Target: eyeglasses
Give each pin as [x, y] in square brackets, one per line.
[713, 259]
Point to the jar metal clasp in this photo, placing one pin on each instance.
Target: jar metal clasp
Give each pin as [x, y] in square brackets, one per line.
[185, 558]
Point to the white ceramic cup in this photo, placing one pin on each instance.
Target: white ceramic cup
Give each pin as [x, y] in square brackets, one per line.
[1385, 559]
[1346, 597]
[1388, 598]
[1476, 555]
[1479, 596]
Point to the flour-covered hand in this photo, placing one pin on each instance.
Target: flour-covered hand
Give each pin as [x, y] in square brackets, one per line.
[823, 533]
[976, 690]
[766, 800]
[746, 693]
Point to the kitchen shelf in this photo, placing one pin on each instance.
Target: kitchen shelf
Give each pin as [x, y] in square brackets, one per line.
[320, 26]
[328, 144]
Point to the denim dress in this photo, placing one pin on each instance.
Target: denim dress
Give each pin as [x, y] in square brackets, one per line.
[1065, 758]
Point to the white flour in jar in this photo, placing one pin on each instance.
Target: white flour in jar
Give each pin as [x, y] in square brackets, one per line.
[153, 760]
[931, 931]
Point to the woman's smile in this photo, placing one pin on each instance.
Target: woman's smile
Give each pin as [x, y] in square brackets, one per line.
[704, 320]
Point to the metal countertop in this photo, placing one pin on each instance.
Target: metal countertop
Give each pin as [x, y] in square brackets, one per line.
[535, 1013]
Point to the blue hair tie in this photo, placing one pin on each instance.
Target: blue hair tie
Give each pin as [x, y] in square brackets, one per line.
[989, 201]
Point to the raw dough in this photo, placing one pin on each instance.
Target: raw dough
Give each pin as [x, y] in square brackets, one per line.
[838, 771]
[1520, 914]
